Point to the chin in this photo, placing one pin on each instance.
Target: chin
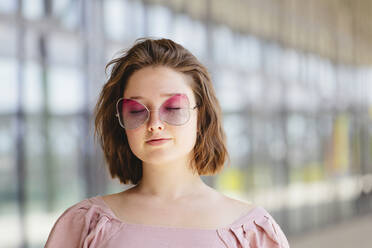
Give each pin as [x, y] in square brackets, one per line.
[162, 157]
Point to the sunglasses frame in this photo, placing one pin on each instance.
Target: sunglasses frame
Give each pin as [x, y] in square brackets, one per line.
[149, 112]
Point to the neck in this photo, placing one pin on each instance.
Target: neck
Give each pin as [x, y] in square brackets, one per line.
[169, 182]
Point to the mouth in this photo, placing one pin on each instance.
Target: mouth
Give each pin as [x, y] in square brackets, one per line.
[157, 141]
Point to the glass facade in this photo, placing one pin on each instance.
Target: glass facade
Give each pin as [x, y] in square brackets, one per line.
[299, 125]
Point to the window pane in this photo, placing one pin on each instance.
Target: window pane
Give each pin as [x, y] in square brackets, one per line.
[66, 141]
[67, 12]
[254, 56]
[289, 68]
[7, 162]
[159, 21]
[113, 15]
[8, 85]
[229, 91]
[237, 141]
[65, 90]
[8, 42]
[33, 94]
[252, 89]
[8, 6]
[135, 19]
[272, 58]
[8, 183]
[53, 179]
[223, 43]
[72, 50]
[368, 87]
[33, 9]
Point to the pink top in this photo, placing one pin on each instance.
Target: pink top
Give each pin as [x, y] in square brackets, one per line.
[91, 223]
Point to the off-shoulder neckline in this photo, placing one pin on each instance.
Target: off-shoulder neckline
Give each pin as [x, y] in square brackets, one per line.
[238, 221]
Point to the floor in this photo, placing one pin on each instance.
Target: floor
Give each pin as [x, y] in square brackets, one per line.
[355, 233]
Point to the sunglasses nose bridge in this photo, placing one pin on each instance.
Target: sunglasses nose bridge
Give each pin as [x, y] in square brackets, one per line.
[153, 118]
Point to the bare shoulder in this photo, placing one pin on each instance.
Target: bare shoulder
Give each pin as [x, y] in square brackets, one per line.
[206, 209]
[238, 205]
[115, 201]
[122, 204]
[231, 205]
[227, 209]
[109, 198]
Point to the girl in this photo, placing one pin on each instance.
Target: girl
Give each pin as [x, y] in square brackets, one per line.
[159, 124]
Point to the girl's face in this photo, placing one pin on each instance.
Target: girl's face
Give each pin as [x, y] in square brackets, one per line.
[148, 85]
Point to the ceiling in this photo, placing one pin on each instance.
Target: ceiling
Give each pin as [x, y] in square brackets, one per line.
[337, 29]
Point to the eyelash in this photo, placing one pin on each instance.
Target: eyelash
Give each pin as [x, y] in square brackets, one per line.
[135, 112]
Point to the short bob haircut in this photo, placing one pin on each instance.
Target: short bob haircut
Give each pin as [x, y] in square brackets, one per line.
[210, 150]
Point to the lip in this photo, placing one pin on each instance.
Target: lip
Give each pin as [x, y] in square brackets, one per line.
[157, 141]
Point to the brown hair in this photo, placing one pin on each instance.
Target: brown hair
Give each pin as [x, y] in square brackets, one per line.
[210, 150]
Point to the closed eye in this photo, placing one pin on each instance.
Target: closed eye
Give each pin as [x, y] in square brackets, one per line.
[136, 112]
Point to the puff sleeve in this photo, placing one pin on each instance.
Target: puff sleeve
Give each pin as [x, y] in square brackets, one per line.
[261, 231]
[82, 225]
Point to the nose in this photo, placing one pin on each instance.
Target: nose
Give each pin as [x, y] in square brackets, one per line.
[154, 122]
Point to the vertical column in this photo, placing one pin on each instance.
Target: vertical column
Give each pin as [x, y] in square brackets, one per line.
[48, 161]
[92, 36]
[86, 25]
[20, 126]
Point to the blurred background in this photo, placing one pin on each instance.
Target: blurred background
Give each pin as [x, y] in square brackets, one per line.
[294, 79]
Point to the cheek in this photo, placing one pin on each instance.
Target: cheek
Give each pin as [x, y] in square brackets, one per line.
[134, 139]
[187, 134]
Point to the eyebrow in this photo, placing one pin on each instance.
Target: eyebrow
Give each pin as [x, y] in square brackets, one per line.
[163, 95]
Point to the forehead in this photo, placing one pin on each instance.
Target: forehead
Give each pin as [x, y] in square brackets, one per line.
[152, 83]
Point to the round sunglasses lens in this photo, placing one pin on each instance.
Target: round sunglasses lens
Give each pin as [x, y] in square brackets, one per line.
[175, 110]
[132, 113]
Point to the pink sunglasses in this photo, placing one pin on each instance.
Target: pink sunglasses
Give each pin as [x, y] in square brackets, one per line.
[174, 111]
